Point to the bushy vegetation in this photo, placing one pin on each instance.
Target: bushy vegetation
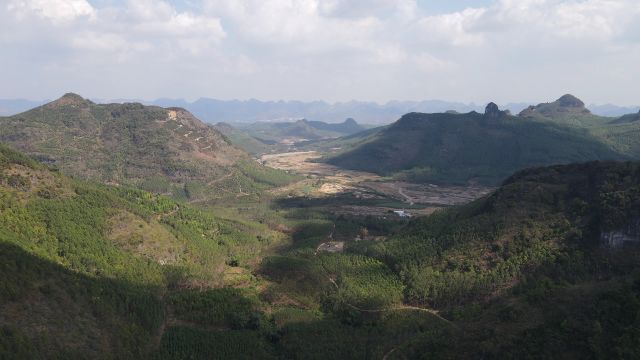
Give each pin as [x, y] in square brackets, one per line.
[361, 282]
[187, 343]
[51, 312]
[227, 307]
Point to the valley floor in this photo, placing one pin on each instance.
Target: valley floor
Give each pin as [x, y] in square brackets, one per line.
[380, 195]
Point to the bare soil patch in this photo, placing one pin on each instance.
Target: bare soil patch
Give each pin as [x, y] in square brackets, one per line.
[325, 180]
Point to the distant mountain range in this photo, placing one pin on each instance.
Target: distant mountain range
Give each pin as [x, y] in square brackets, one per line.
[249, 111]
[15, 106]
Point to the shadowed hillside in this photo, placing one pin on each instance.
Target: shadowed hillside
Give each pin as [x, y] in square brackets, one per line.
[620, 133]
[458, 148]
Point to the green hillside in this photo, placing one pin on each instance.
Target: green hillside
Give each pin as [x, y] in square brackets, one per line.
[342, 143]
[568, 110]
[265, 137]
[94, 271]
[166, 151]
[302, 129]
[87, 268]
[621, 134]
[461, 148]
[248, 143]
[531, 271]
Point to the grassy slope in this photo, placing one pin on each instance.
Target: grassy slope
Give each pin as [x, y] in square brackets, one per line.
[245, 141]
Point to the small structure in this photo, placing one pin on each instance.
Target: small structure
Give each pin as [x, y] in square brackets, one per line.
[402, 213]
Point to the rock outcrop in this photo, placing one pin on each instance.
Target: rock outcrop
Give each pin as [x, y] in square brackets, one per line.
[624, 236]
[493, 111]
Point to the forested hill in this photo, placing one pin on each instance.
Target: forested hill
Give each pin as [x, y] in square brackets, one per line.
[472, 147]
[552, 253]
[620, 133]
[302, 129]
[87, 269]
[162, 150]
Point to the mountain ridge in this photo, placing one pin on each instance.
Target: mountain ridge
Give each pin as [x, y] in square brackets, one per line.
[133, 144]
[462, 147]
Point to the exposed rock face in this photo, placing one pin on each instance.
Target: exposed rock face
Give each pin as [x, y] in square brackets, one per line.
[618, 238]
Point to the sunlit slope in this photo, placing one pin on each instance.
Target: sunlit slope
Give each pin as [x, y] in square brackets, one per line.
[163, 150]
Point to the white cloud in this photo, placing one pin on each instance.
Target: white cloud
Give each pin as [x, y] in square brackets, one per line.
[332, 49]
[107, 42]
[140, 25]
[588, 20]
[300, 23]
[453, 29]
[54, 10]
[428, 63]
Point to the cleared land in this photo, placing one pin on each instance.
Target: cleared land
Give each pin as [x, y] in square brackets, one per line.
[381, 195]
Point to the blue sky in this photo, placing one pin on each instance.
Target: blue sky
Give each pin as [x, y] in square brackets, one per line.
[334, 50]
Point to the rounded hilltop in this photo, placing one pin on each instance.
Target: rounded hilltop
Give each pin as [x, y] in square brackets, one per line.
[568, 100]
[566, 105]
[70, 99]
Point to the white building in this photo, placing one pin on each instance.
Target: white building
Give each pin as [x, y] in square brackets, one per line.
[402, 213]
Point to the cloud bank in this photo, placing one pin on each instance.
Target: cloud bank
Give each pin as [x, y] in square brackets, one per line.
[336, 50]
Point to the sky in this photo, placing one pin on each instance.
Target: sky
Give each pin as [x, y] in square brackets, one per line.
[332, 50]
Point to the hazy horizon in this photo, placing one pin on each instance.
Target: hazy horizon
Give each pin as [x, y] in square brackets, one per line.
[382, 103]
